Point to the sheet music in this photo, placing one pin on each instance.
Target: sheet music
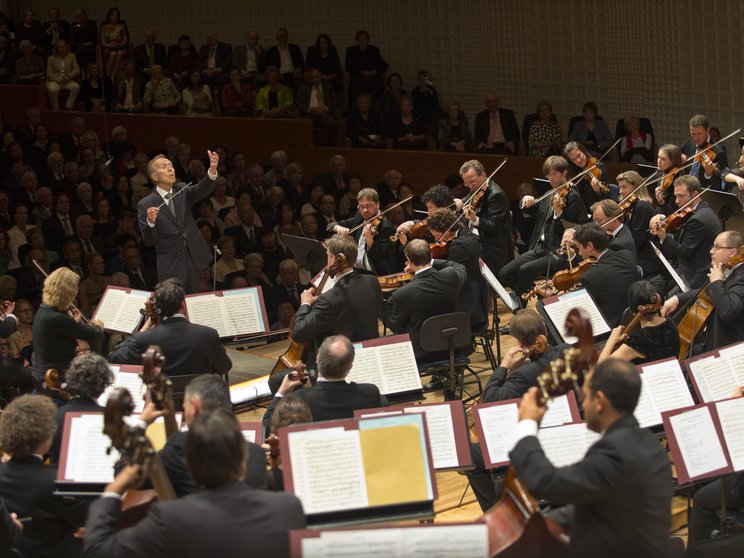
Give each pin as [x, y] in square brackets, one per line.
[86, 451]
[236, 312]
[558, 310]
[119, 310]
[391, 367]
[559, 412]
[464, 541]
[441, 434]
[698, 441]
[731, 417]
[663, 388]
[735, 356]
[130, 381]
[249, 435]
[567, 444]
[244, 393]
[327, 469]
[714, 378]
[365, 369]
[498, 288]
[499, 425]
[207, 310]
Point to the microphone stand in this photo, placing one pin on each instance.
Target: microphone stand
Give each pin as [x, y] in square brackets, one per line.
[217, 252]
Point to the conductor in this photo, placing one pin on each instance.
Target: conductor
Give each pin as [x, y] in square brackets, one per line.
[181, 250]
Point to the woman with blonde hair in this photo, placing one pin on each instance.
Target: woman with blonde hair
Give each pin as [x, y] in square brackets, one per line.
[57, 327]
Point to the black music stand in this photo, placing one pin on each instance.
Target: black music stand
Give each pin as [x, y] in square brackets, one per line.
[728, 206]
[309, 252]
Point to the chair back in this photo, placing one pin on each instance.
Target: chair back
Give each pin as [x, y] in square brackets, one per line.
[445, 332]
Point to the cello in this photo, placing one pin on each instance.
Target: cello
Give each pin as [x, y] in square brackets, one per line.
[516, 528]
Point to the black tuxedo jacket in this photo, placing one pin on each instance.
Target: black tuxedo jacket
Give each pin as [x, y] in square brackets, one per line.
[175, 236]
[495, 228]
[502, 386]
[188, 348]
[382, 255]
[508, 126]
[638, 225]
[243, 245]
[689, 149]
[149, 275]
[621, 491]
[691, 244]
[68, 147]
[726, 323]
[465, 249]
[608, 281]
[231, 514]
[295, 52]
[573, 212]
[47, 37]
[432, 292]
[624, 241]
[142, 61]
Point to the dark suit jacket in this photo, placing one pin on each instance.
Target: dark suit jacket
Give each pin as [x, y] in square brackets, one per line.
[27, 486]
[495, 228]
[465, 249]
[242, 244]
[68, 147]
[383, 252]
[64, 32]
[333, 400]
[188, 348]
[240, 57]
[624, 241]
[726, 323]
[142, 61]
[608, 281]
[75, 405]
[573, 212]
[7, 326]
[183, 483]
[350, 308]
[689, 148]
[54, 232]
[508, 126]
[501, 387]
[691, 244]
[621, 491]
[278, 294]
[304, 91]
[222, 57]
[232, 514]
[176, 237]
[638, 225]
[371, 59]
[274, 59]
[147, 273]
[432, 292]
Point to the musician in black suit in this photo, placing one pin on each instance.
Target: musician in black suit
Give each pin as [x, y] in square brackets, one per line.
[188, 348]
[725, 288]
[496, 129]
[705, 171]
[492, 219]
[350, 308]
[287, 57]
[332, 397]
[637, 221]
[552, 212]
[608, 215]
[591, 188]
[434, 290]
[375, 252]
[607, 282]
[27, 484]
[622, 490]
[465, 249]
[227, 509]
[149, 54]
[181, 250]
[691, 243]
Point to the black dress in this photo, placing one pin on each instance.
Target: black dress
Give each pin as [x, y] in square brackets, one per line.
[655, 342]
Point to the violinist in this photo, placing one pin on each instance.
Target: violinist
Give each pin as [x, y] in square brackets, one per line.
[434, 290]
[668, 159]
[375, 252]
[519, 370]
[621, 492]
[655, 338]
[689, 244]
[609, 279]
[491, 218]
[591, 187]
[608, 215]
[465, 249]
[520, 273]
[436, 197]
[637, 216]
[735, 177]
[726, 291]
[707, 170]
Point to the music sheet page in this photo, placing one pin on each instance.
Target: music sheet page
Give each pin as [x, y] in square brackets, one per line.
[327, 469]
[663, 388]
[130, 381]
[207, 310]
[86, 451]
[698, 441]
[735, 356]
[558, 412]
[366, 367]
[717, 377]
[243, 312]
[557, 312]
[398, 365]
[499, 424]
[441, 434]
[565, 445]
[120, 311]
[731, 417]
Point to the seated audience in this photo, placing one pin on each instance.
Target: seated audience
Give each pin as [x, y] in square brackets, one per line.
[407, 131]
[545, 137]
[62, 73]
[453, 131]
[591, 131]
[197, 97]
[161, 94]
[364, 127]
[236, 97]
[496, 129]
[274, 100]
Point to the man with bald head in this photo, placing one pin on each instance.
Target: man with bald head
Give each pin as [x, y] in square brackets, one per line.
[251, 59]
[496, 129]
[149, 53]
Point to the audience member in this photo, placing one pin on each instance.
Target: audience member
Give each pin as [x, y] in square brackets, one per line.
[324, 56]
[183, 59]
[96, 91]
[407, 131]
[425, 100]
[114, 41]
[84, 38]
[62, 73]
[496, 129]
[591, 131]
[197, 97]
[274, 100]
[286, 58]
[545, 133]
[29, 67]
[364, 127]
[317, 100]
[366, 68]
[453, 130]
[149, 53]
[215, 58]
[236, 97]
[250, 58]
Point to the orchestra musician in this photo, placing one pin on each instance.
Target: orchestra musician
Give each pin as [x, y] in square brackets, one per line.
[590, 187]
[375, 252]
[691, 243]
[552, 212]
[608, 215]
[707, 172]
[726, 290]
[637, 220]
[735, 177]
[621, 491]
[436, 197]
[668, 158]
[491, 219]
[434, 290]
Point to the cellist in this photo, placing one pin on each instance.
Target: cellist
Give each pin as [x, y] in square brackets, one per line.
[726, 290]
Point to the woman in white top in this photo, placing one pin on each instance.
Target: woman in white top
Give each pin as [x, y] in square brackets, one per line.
[17, 233]
[227, 262]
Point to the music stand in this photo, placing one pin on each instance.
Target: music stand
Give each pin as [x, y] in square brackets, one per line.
[728, 206]
[310, 252]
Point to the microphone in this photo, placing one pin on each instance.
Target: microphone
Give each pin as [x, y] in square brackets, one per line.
[110, 160]
[217, 250]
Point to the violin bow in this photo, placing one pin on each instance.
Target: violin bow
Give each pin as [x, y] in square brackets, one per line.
[380, 214]
[466, 201]
[683, 206]
[72, 306]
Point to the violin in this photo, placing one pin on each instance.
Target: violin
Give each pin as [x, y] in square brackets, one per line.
[53, 383]
[642, 310]
[418, 230]
[394, 280]
[543, 288]
[696, 317]
[538, 347]
[377, 219]
[677, 219]
[516, 527]
[273, 442]
[595, 172]
[151, 310]
[565, 279]
[158, 383]
[628, 204]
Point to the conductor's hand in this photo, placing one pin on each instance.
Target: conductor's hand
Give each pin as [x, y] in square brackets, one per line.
[308, 296]
[530, 407]
[214, 160]
[152, 214]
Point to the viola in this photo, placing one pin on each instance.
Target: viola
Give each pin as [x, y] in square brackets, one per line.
[53, 383]
[394, 280]
[565, 279]
[543, 288]
[642, 310]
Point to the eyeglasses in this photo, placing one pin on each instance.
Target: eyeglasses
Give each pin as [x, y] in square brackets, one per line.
[367, 205]
[717, 247]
